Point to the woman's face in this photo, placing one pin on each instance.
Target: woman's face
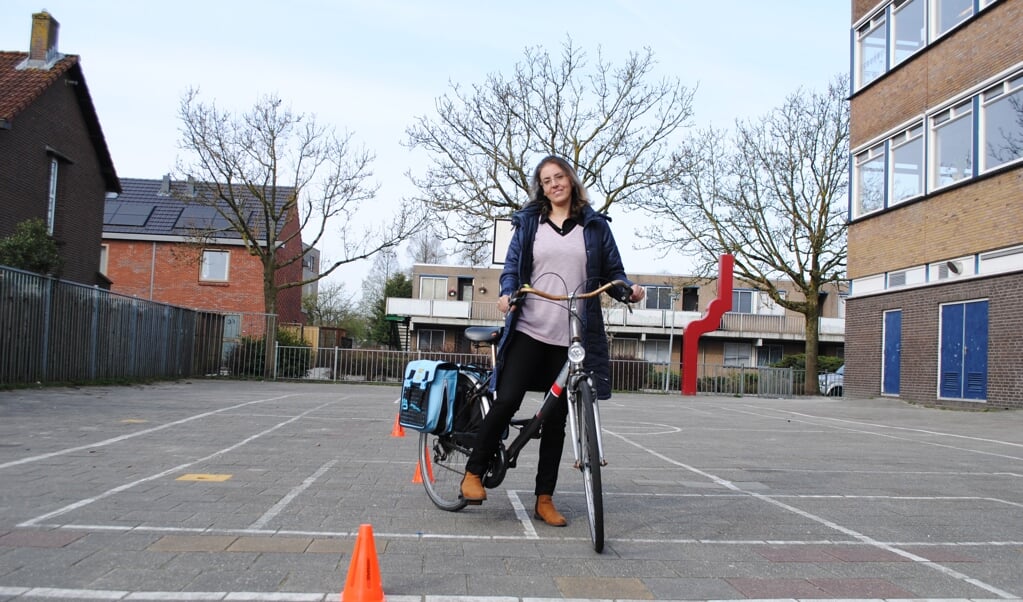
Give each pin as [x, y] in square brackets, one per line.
[557, 186]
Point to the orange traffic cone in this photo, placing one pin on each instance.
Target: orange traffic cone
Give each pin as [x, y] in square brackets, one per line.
[397, 430]
[363, 583]
[418, 477]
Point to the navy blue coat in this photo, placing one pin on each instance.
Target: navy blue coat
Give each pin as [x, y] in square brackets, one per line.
[603, 264]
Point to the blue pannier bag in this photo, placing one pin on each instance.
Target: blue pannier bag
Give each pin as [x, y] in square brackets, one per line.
[428, 396]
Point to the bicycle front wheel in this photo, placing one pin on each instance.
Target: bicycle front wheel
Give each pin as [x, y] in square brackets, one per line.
[589, 463]
[441, 468]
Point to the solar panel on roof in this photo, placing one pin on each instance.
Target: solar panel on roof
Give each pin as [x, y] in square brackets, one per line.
[201, 218]
[127, 214]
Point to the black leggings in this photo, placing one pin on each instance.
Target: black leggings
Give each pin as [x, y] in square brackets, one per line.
[529, 365]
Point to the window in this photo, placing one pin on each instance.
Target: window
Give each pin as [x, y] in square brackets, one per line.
[907, 165]
[51, 197]
[871, 48]
[656, 351]
[909, 29]
[214, 266]
[767, 306]
[1002, 128]
[691, 298]
[769, 354]
[738, 354]
[104, 254]
[658, 297]
[869, 181]
[433, 287]
[900, 28]
[430, 340]
[622, 348]
[949, 13]
[742, 301]
[952, 144]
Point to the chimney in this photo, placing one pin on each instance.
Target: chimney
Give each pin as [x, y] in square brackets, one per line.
[42, 51]
[165, 186]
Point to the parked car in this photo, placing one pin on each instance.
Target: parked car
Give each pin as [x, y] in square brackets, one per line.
[830, 383]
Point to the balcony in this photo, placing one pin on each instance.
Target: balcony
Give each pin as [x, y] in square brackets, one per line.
[620, 320]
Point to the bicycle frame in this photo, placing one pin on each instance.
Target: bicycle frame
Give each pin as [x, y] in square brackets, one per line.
[571, 372]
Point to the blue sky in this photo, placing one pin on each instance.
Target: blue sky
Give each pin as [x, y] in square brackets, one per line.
[371, 66]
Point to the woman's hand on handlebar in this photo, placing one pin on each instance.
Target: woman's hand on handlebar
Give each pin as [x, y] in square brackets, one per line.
[504, 304]
[638, 292]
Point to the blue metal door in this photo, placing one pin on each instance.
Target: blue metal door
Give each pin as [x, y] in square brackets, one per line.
[964, 341]
[892, 353]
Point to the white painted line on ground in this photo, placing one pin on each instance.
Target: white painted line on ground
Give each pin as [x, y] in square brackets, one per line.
[283, 503]
[105, 442]
[180, 467]
[522, 514]
[807, 417]
[68, 594]
[827, 523]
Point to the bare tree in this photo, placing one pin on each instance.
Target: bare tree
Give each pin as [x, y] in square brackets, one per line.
[425, 247]
[774, 196]
[278, 166]
[616, 129]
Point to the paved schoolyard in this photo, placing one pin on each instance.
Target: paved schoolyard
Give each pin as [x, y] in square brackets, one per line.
[255, 491]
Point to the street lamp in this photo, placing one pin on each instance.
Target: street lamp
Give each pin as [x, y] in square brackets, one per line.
[671, 336]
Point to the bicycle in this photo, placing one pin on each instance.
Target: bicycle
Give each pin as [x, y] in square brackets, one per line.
[442, 458]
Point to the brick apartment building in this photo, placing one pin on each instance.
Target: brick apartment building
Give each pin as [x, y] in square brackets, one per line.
[157, 246]
[54, 161]
[936, 230]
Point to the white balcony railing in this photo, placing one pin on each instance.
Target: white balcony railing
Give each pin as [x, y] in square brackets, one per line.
[618, 316]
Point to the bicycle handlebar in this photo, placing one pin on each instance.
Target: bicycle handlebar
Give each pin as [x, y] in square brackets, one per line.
[525, 288]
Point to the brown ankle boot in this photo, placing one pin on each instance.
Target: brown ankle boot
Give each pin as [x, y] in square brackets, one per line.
[546, 512]
[472, 489]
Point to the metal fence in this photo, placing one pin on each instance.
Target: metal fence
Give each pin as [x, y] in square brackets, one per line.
[364, 365]
[53, 331]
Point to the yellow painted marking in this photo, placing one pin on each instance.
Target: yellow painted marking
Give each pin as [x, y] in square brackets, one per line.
[203, 477]
[134, 421]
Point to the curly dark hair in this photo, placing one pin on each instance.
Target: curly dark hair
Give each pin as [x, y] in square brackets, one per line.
[580, 198]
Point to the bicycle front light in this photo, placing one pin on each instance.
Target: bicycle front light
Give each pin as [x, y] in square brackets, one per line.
[576, 352]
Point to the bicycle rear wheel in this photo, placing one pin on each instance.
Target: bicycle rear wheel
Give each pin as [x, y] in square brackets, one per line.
[441, 467]
[442, 458]
[589, 458]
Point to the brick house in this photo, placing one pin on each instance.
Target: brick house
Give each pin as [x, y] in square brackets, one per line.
[54, 161]
[157, 245]
[936, 232]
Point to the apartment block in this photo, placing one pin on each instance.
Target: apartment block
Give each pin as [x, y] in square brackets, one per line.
[935, 229]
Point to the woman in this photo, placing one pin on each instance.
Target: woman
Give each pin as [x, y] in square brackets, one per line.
[561, 245]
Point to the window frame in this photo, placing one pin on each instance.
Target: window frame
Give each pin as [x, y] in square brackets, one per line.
[738, 293]
[951, 115]
[433, 332]
[887, 17]
[867, 156]
[655, 292]
[51, 196]
[1011, 86]
[915, 133]
[438, 295]
[204, 264]
[878, 21]
[729, 359]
